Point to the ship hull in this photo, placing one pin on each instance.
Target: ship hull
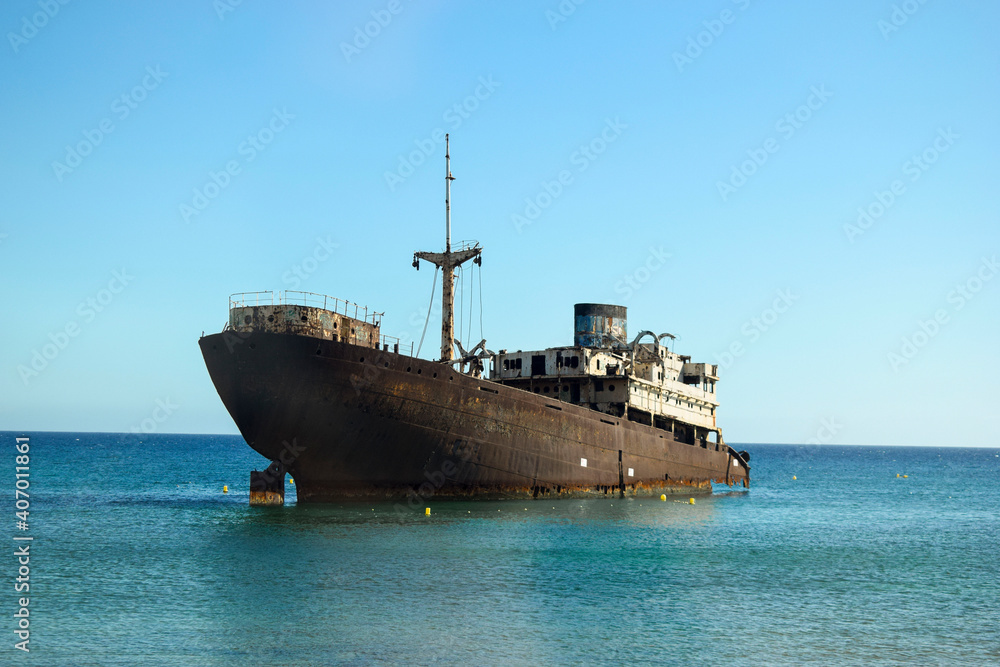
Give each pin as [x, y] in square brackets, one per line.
[351, 421]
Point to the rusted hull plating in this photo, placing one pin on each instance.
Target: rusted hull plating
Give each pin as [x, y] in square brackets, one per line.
[268, 487]
[350, 421]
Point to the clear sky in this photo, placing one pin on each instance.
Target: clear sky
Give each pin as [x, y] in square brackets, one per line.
[804, 193]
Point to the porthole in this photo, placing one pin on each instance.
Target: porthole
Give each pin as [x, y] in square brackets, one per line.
[318, 351]
[270, 318]
[408, 369]
[362, 360]
[246, 319]
[419, 371]
[304, 318]
[546, 390]
[387, 364]
[435, 374]
[611, 387]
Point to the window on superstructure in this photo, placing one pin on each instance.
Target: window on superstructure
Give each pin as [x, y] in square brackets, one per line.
[538, 364]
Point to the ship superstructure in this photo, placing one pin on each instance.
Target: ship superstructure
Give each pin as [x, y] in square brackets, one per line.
[642, 381]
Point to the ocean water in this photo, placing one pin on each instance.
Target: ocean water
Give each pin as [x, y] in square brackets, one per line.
[138, 558]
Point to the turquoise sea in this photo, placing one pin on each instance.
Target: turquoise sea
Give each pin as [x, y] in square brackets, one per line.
[832, 557]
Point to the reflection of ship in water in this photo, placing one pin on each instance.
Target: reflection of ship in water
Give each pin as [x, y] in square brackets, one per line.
[314, 386]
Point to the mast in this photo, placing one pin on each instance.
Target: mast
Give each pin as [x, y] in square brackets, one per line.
[448, 260]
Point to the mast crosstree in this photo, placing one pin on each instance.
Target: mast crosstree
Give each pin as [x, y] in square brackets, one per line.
[448, 261]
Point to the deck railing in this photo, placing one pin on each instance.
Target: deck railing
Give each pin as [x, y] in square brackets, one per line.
[309, 299]
[391, 344]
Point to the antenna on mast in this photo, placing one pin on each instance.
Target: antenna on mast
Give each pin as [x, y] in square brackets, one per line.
[448, 178]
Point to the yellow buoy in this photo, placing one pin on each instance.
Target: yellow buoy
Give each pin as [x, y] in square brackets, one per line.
[663, 497]
[691, 500]
[897, 474]
[291, 481]
[225, 489]
[906, 476]
[427, 511]
[794, 477]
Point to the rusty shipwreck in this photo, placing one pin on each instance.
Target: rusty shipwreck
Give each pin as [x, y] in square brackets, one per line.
[314, 386]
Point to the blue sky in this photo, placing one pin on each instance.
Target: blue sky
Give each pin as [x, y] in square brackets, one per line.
[806, 195]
